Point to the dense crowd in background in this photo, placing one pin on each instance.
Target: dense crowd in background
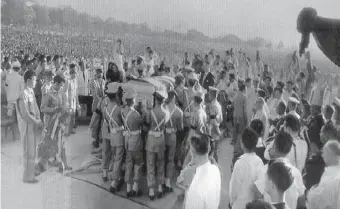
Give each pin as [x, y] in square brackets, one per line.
[284, 124]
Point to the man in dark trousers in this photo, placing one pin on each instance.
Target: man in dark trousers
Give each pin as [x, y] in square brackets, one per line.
[207, 78]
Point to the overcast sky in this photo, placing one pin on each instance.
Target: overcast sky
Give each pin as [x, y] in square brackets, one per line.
[273, 20]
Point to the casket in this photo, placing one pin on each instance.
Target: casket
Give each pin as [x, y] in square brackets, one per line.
[146, 87]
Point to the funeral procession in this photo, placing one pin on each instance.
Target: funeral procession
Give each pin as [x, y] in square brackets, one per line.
[170, 104]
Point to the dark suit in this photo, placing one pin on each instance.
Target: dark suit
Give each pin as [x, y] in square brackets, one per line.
[209, 80]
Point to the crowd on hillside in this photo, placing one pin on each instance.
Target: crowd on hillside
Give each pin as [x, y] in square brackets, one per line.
[284, 124]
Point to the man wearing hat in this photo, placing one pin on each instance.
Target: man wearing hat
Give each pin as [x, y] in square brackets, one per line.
[155, 145]
[289, 91]
[133, 144]
[113, 140]
[214, 113]
[189, 94]
[173, 128]
[198, 123]
[14, 84]
[292, 105]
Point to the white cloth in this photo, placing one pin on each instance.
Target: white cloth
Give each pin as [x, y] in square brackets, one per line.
[286, 95]
[262, 115]
[231, 90]
[241, 183]
[327, 194]
[300, 151]
[83, 78]
[205, 189]
[294, 191]
[14, 85]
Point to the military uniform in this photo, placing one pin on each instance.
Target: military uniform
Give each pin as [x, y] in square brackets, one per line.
[133, 145]
[28, 118]
[175, 124]
[113, 140]
[214, 112]
[155, 147]
[198, 124]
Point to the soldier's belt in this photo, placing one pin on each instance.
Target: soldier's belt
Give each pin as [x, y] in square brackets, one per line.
[156, 133]
[193, 127]
[131, 133]
[116, 130]
[170, 130]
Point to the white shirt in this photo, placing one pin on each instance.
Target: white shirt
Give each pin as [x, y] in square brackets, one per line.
[297, 156]
[83, 82]
[241, 182]
[272, 105]
[232, 89]
[286, 95]
[327, 194]
[205, 189]
[14, 85]
[293, 192]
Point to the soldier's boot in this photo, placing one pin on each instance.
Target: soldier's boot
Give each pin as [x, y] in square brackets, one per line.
[129, 192]
[104, 175]
[151, 194]
[167, 186]
[136, 192]
[160, 191]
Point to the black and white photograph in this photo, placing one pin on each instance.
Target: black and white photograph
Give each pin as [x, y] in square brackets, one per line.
[169, 104]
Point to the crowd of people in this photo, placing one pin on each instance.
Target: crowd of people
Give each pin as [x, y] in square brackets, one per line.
[284, 124]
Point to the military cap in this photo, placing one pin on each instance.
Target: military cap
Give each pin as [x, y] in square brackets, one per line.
[336, 101]
[213, 89]
[192, 76]
[293, 100]
[16, 64]
[130, 94]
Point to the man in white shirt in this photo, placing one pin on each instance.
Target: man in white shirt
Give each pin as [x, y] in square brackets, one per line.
[298, 154]
[241, 183]
[327, 193]
[205, 189]
[282, 145]
[292, 105]
[83, 80]
[274, 102]
[14, 84]
[288, 92]
[232, 86]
